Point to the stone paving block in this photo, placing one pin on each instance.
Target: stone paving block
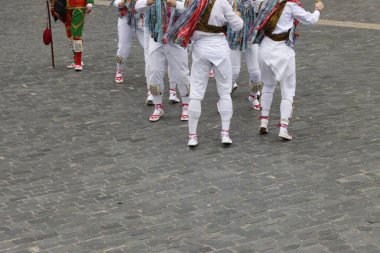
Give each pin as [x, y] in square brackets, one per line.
[224, 251]
[245, 248]
[116, 251]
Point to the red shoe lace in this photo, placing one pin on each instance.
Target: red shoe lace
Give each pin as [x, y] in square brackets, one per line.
[282, 125]
[158, 106]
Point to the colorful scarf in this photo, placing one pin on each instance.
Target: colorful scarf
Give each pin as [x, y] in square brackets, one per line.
[157, 19]
[184, 28]
[132, 15]
[130, 11]
[239, 40]
[256, 34]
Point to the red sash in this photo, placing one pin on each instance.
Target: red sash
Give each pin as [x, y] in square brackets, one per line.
[76, 3]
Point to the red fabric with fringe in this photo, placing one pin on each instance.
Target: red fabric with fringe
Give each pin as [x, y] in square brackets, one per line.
[187, 32]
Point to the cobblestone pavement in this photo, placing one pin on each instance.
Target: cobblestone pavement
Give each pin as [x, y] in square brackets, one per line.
[82, 169]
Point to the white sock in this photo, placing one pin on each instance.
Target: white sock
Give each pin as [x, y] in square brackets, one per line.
[120, 65]
[157, 99]
[185, 100]
[286, 108]
[225, 110]
[172, 85]
[284, 121]
[284, 125]
[266, 102]
[195, 109]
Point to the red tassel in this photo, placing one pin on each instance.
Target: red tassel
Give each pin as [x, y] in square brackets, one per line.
[47, 36]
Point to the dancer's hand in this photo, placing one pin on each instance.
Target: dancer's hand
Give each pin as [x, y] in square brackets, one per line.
[150, 2]
[88, 8]
[121, 5]
[319, 6]
[171, 3]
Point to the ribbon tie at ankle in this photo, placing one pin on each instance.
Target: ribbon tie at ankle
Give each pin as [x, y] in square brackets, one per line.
[282, 125]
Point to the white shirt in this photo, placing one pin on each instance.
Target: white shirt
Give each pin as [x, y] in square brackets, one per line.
[294, 11]
[116, 3]
[221, 14]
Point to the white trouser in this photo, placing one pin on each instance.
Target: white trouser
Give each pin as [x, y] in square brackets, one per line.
[125, 33]
[251, 55]
[171, 76]
[146, 43]
[146, 51]
[147, 36]
[159, 57]
[277, 64]
[208, 52]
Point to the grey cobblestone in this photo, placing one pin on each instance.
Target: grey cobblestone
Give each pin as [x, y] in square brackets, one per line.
[82, 169]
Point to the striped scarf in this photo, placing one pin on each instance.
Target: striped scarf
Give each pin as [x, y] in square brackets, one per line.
[239, 40]
[257, 32]
[184, 28]
[130, 12]
[157, 20]
[132, 15]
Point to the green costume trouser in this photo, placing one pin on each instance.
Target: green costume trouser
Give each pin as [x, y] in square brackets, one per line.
[74, 23]
[74, 31]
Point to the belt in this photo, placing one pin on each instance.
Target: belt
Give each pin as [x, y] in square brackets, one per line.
[278, 37]
[211, 28]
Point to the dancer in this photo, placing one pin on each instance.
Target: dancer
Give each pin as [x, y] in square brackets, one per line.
[239, 42]
[72, 13]
[160, 17]
[172, 82]
[276, 35]
[129, 23]
[205, 23]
